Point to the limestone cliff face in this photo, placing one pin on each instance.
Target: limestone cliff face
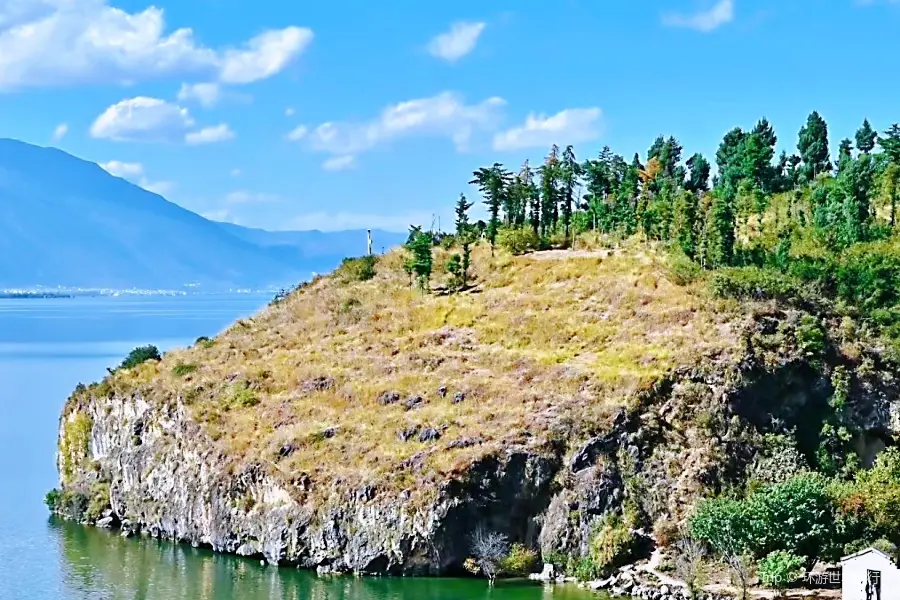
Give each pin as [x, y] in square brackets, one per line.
[141, 458]
[165, 478]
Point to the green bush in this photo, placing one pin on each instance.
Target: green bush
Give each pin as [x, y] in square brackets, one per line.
[869, 275]
[873, 498]
[755, 283]
[140, 355]
[99, 501]
[723, 524]
[585, 569]
[520, 561]
[182, 369]
[810, 336]
[519, 241]
[682, 270]
[204, 342]
[780, 568]
[244, 396]
[357, 269]
[613, 541]
[52, 498]
[797, 515]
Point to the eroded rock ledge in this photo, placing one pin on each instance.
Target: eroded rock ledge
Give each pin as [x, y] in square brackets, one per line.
[150, 468]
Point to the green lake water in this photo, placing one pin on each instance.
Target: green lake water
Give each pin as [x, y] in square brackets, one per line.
[47, 346]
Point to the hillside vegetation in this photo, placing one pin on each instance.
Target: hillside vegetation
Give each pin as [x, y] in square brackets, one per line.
[715, 364]
[544, 347]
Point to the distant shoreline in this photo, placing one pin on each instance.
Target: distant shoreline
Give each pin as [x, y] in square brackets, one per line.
[31, 295]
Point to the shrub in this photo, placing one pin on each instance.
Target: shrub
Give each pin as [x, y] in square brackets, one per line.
[243, 396]
[357, 269]
[182, 369]
[52, 498]
[797, 515]
[780, 568]
[519, 241]
[99, 501]
[682, 270]
[874, 496]
[140, 355]
[586, 569]
[754, 283]
[520, 561]
[204, 342]
[613, 541]
[723, 524]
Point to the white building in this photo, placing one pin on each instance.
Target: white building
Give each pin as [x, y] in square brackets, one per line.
[869, 575]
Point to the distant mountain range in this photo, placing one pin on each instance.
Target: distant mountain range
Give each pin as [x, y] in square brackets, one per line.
[67, 222]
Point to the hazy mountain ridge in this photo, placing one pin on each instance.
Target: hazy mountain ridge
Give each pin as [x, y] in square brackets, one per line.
[65, 221]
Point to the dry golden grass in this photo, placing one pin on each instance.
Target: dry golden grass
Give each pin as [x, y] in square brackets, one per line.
[544, 347]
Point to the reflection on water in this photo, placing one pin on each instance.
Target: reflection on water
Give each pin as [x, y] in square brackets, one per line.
[103, 565]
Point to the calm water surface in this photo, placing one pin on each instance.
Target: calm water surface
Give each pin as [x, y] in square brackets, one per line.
[46, 348]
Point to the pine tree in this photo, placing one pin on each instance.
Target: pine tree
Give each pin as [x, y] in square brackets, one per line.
[720, 231]
[550, 176]
[890, 143]
[570, 170]
[493, 182]
[865, 138]
[419, 262]
[813, 147]
[698, 179]
[684, 222]
[465, 236]
[845, 153]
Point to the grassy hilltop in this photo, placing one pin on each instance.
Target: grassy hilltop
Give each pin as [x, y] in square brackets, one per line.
[545, 346]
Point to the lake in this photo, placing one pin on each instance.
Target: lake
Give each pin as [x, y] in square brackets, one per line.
[47, 346]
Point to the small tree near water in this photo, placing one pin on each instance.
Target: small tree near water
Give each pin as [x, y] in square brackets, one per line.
[140, 355]
[689, 565]
[489, 550]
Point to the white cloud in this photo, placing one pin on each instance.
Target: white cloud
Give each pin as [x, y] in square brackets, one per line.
[60, 132]
[324, 221]
[569, 126]
[207, 94]
[235, 172]
[63, 42]
[444, 115]
[719, 14]
[246, 197]
[289, 112]
[264, 55]
[125, 170]
[222, 215]
[339, 163]
[298, 133]
[142, 119]
[134, 172]
[456, 43]
[210, 135]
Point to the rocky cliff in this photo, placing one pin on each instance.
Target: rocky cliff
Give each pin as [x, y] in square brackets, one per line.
[361, 425]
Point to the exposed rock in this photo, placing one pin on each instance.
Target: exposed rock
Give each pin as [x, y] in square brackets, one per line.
[413, 402]
[429, 434]
[388, 398]
[459, 397]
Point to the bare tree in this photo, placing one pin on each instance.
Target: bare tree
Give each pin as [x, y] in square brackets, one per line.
[489, 548]
[741, 567]
[689, 564]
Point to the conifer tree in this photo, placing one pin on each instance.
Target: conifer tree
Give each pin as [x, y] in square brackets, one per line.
[865, 138]
[570, 170]
[698, 177]
[465, 236]
[419, 262]
[684, 222]
[720, 231]
[549, 190]
[492, 182]
[813, 147]
[890, 143]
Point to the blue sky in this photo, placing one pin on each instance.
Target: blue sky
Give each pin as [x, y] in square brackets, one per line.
[333, 115]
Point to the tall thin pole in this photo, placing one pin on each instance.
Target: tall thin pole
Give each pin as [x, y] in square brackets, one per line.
[369, 242]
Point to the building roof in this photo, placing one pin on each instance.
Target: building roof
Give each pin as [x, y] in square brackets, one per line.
[867, 551]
